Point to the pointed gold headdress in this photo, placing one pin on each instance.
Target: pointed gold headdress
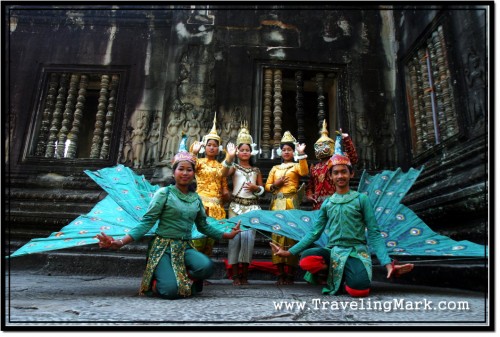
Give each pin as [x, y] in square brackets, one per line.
[288, 138]
[324, 134]
[244, 136]
[324, 146]
[213, 133]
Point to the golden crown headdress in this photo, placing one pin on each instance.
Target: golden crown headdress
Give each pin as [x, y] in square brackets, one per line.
[323, 147]
[324, 135]
[213, 133]
[288, 138]
[244, 136]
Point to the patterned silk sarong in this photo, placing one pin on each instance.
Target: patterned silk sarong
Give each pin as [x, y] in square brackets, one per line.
[177, 250]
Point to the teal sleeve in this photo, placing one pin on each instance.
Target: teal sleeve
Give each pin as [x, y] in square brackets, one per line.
[152, 214]
[375, 240]
[203, 226]
[315, 233]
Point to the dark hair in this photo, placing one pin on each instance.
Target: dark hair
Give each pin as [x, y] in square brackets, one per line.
[171, 180]
[174, 167]
[292, 145]
[215, 140]
[249, 145]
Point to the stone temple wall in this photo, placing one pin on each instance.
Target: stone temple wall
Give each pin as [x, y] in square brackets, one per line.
[124, 83]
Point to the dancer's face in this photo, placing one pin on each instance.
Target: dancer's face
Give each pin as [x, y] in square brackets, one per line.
[244, 152]
[184, 173]
[212, 148]
[341, 176]
[287, 153]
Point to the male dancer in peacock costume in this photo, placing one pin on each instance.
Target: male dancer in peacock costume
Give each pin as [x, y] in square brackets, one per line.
[346, 259]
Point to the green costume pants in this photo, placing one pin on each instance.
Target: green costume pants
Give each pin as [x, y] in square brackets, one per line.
[198, 265]
[354, 275]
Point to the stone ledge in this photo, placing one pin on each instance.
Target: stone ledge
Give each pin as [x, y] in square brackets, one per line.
[471, 275]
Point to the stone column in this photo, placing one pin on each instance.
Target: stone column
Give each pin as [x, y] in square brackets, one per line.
[108, 127]
[75, 130]
[320, 83]
[100, 116]
[50, 101]
[266, 114]
[299, 104]
[57, 116]
[67, 116]
[277, 112]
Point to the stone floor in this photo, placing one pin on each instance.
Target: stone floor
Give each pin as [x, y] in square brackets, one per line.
[34, 299]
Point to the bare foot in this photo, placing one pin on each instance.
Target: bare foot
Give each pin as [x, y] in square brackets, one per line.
[236, 281]
[289, 279]
[281, 280]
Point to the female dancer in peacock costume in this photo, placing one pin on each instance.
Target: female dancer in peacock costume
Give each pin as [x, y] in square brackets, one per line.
[173, 264]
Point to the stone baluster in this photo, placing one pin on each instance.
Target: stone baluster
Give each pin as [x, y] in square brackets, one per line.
[277, 113]
[299, 103]
[100, 116]
[436, 50]
[75, 130]
[432, 113]
[448, 99]
[266, 113]
[427, 120]
[67, 116]
[57, 116]
[419, 113]
[108, 127]
[320, 83]
[47, 115]
[415, 105]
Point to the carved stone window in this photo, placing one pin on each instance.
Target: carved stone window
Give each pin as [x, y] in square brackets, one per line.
[430, 97]
[296, 99]
[77, 116]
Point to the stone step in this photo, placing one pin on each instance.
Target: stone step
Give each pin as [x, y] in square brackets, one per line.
[470, 274]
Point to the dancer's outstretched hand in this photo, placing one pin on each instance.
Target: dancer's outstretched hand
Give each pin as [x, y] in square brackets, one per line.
[396, 270]
[106, 241]
[234, 231]
[278, 251]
